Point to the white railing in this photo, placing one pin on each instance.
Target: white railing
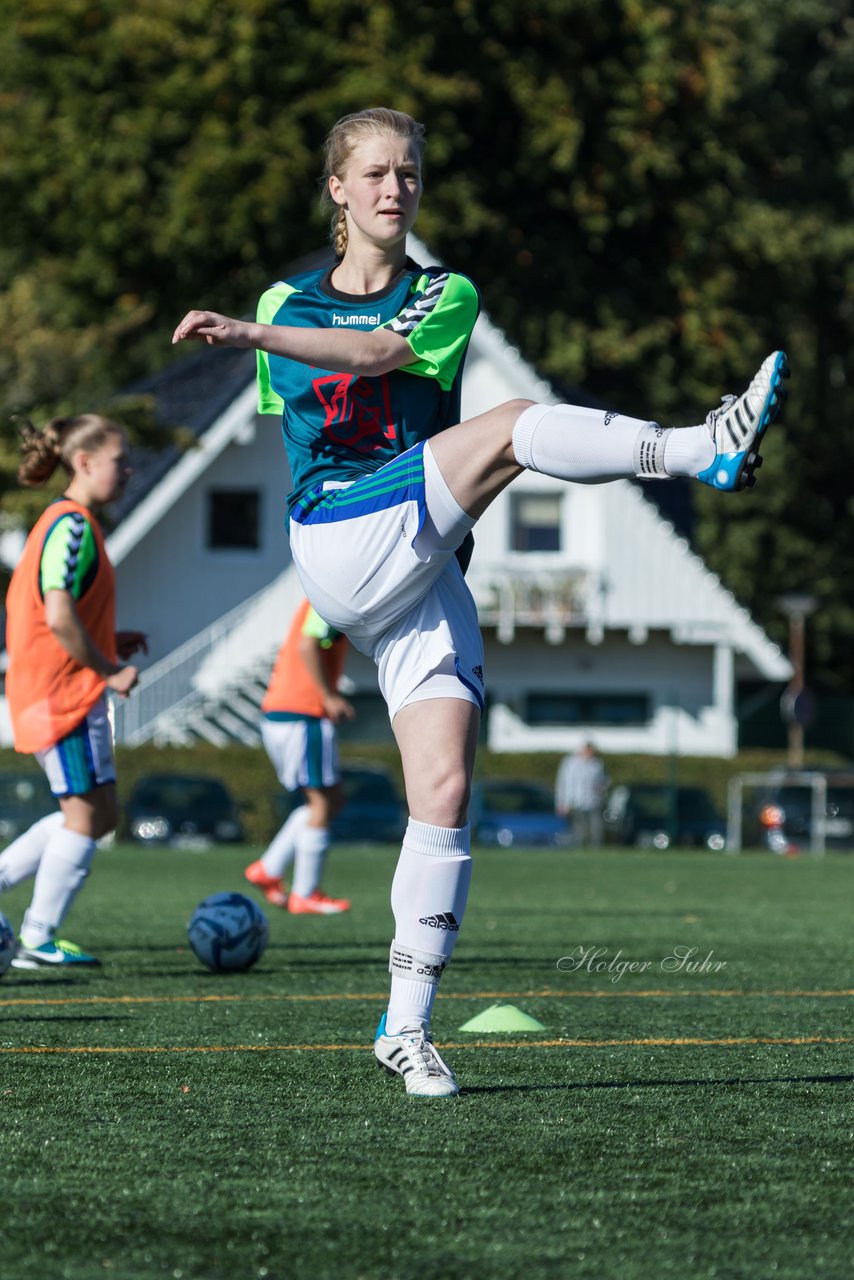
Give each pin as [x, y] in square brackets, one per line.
[170, 685]
[214, 662]
[205, 665]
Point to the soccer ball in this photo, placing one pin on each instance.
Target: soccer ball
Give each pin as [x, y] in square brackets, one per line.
[7, 944]
[228, 932]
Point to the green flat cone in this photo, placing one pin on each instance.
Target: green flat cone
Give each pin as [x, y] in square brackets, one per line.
[502, 1017]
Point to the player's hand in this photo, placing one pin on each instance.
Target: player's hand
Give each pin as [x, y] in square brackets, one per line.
[130, 642]
[214, 329]
[338, 708]
[123, 680]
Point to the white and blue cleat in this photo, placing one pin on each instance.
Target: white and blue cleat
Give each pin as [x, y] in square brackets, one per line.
[740, 422]
[414, 1058]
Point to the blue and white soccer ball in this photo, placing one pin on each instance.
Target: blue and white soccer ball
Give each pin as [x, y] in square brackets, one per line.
[7, 944]
[228, 932]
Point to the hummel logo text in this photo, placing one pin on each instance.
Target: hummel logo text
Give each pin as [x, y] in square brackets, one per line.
[353, 320]
[444, 920]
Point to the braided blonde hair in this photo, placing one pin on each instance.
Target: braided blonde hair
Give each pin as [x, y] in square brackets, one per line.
[342, 141]
[43, 450]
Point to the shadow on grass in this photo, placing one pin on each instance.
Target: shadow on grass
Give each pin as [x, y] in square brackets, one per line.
[536, 963]
[63, 1017]
[177, 949]
[41, 980]
[654, 1084]
[288, 968]
[579, 911]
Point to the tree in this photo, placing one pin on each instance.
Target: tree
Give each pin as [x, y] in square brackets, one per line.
[651, 198]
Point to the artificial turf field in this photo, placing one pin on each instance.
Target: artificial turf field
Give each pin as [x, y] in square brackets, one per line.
[161, 1121]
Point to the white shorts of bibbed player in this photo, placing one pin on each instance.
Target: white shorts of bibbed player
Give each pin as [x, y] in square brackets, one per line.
[303, 750]
[376, 559]
[83, 759]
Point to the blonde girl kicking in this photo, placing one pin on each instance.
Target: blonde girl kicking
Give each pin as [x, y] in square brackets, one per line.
[364, 363]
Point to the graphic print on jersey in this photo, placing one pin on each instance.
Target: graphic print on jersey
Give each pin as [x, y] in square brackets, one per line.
[357, 411]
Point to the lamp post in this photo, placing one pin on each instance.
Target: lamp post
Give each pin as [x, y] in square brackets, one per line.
[796, 705]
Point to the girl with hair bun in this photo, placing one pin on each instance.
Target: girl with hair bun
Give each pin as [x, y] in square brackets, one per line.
[64, 653]
[363, 362]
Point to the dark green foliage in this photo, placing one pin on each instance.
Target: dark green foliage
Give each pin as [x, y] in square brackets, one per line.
[650, 196]
[605, 1161]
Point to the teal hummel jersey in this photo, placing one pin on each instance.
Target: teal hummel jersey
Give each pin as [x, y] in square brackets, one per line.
[338, 426]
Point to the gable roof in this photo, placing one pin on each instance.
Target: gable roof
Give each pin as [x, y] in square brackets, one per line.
[193, 392]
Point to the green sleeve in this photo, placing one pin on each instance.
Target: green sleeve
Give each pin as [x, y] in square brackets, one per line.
[317, 629]
[269, 306]
[69, 558]
[437, 323]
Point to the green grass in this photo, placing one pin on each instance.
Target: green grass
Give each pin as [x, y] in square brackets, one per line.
[665, 1124]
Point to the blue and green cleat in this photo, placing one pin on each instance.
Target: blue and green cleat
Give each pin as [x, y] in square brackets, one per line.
[51, 955]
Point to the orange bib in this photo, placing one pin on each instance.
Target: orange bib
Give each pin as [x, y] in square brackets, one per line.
[49, 693]
[291, 686]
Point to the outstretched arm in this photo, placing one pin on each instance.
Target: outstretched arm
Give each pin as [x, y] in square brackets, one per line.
[345, 350]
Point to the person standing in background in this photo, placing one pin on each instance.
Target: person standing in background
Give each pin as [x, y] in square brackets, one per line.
[580, 794]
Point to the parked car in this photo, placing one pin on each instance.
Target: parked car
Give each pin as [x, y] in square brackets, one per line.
[779, 815]
[182, 810]
[649, 815]
[515, 812]
[24, 798]
[373, 809]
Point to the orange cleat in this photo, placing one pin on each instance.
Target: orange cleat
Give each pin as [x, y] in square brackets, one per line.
[272, 887]
[317, 904]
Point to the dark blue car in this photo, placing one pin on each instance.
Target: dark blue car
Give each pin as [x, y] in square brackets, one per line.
[24, 798]
[514, 812]
[373, 811]
[180, 810]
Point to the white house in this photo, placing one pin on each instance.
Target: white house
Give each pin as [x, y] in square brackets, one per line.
[599, 621]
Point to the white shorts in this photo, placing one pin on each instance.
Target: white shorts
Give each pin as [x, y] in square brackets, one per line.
[376, 559]
[303, 751]
[83, 759]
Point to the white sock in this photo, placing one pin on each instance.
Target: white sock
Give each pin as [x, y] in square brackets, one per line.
[21, 858]
[688, 451]
[280, 852]
[588, 445]
[312, 843]
[428, 898]
[63, 868]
